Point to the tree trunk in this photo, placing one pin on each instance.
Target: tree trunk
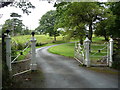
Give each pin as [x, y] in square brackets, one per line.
[90, 31]
[106, 38]
[54, 38]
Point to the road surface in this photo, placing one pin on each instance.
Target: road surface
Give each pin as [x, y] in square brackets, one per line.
[63, 72]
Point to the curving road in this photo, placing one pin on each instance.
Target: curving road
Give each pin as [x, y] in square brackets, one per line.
[63, 72]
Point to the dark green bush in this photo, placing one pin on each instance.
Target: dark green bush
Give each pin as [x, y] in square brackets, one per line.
[20, 46]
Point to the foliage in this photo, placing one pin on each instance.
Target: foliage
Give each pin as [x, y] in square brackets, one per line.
[77, 15]
[103, 28]
[25, 6]
[115, 8]
[15, 25]
[47, 23]
[15, 15]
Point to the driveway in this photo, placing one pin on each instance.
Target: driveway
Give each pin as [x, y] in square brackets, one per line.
[64, 72]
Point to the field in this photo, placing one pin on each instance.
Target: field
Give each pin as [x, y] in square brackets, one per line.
[39, 38]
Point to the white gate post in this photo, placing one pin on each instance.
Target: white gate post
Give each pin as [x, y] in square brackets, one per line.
[33, 64]
[8, 50]
[86, 46]
[111, 52]
[108, 54]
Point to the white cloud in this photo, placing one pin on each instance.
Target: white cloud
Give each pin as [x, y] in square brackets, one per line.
[32, 20]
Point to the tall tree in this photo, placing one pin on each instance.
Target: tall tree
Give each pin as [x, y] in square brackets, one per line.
[47, 23]
[15, 25]
[103, 28]
[79, 13]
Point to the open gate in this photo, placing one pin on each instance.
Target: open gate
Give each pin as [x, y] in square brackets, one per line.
[99, 54]
[79, 53]
[25, 65]
[90, 54]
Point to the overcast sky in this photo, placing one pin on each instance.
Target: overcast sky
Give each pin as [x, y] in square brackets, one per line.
[31, 20]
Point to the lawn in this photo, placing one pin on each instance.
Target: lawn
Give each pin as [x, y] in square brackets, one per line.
[64, 49]
[68, 49]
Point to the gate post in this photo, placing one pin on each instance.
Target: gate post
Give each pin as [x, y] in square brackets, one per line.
[33, 64]
[111, 52]
[8, 50]
[86, 46]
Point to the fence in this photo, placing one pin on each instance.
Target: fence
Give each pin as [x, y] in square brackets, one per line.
[27, 64]
[90, 54]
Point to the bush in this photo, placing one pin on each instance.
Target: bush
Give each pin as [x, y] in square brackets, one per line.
[116, 61]
[116, 54]
[20, 46]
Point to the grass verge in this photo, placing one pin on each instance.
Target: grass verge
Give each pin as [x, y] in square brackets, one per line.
[64, 49]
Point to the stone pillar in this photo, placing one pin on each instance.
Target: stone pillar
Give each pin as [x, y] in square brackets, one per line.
[86, 47]
[33, 64]
[8, 50]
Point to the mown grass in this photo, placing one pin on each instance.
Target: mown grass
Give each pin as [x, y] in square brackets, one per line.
[64, 49]
[68, 49]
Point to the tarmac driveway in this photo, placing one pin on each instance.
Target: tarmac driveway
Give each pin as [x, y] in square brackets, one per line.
[63, 72]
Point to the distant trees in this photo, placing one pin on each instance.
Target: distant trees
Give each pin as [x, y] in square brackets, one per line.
[15, 25]
[47, 23]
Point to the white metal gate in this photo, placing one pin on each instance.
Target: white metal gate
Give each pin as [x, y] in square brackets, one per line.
[90, 54]
[32, 60]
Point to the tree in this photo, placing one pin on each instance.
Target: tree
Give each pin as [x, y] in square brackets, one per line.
[6, 82]
[25, 6]
[115, 7]
[77, 14]
[47, 23]
[15, 25]
[103, 28]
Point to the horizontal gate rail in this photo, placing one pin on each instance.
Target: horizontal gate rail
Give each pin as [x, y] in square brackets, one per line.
[22, 60]
[21, 72]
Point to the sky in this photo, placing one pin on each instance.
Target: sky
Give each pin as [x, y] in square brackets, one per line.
[31, 20]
